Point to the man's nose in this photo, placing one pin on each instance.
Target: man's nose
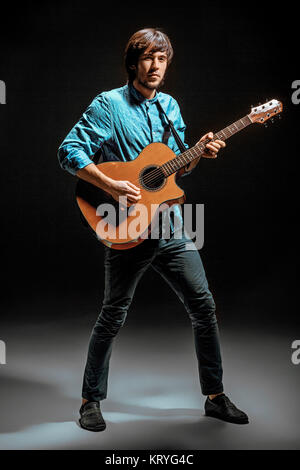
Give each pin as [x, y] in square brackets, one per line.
[155, 64]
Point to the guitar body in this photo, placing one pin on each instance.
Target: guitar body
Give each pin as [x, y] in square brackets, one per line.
[121, 227]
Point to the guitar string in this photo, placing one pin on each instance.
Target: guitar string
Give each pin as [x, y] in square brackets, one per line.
[223, 134]
[157, 173]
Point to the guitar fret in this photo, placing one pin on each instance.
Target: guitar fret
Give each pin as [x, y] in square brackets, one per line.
[168, 167]
[181, 159]
[193, 153]
[185, 159]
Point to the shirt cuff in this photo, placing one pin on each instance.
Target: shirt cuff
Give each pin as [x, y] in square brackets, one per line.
[74, 160]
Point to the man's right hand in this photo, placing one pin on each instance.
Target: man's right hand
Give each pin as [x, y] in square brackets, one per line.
[127, 191]
[116, 188]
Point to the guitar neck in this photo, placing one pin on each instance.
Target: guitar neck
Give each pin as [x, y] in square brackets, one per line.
[191, 154]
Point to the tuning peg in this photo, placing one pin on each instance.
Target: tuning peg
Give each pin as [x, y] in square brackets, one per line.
[272, 120]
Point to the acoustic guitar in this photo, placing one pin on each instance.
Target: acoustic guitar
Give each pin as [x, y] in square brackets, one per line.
[155, 172]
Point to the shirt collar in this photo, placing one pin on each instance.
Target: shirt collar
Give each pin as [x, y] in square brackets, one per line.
[139, 97]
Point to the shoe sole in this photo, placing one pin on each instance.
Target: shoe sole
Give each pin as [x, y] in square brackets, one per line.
[95, 429]
[228, 420]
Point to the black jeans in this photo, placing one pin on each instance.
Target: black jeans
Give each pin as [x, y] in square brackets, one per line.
[182, 268]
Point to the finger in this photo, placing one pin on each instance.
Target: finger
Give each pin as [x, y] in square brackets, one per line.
[136, 188]
[209, 135]
[133, 198]
[220, 142]
[132, 193]
[213, 147]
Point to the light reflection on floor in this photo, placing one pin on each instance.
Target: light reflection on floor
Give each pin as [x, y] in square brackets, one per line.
[154, 396]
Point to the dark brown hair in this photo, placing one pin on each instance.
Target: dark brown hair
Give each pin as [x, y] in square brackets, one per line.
[140, 41]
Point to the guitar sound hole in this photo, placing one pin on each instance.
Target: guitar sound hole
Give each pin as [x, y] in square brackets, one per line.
[152, 178]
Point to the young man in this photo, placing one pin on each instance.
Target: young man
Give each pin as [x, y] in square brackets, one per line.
[121, 122]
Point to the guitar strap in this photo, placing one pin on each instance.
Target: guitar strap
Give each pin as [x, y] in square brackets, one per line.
[182, 149]
[178, 140]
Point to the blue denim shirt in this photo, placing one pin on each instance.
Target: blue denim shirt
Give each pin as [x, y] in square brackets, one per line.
[121, 123]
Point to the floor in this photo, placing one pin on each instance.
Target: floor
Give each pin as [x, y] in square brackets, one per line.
[154, 397]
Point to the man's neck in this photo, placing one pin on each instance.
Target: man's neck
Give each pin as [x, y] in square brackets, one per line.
[146, 92]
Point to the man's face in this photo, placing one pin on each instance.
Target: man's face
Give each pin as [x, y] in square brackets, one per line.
[151, 69]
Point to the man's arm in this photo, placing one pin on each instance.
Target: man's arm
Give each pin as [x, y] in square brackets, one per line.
[116, 188]
[85, 138]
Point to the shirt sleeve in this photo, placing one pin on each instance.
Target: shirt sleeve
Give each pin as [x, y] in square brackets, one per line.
[87, 136]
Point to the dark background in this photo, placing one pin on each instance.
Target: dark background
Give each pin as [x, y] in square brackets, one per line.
[55, 58]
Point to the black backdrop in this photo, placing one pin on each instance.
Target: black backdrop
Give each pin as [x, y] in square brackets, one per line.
[56, 57]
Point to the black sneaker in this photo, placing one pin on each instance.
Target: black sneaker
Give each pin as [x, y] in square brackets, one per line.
[91, 417]
[221, 407]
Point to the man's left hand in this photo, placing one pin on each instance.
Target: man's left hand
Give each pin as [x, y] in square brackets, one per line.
[212, 150]
[212, 147]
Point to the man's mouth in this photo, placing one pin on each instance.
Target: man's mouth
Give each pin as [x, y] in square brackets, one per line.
[153, 75]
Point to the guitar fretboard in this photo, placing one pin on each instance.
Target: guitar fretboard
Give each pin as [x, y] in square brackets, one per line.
[191, 154]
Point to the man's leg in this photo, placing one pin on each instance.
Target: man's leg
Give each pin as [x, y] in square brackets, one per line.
[123, 269]
[183, 269]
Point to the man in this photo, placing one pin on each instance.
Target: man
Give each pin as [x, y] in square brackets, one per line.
[121, 122]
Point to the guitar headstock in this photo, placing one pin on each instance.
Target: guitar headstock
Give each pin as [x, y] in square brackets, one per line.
[265, 111]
